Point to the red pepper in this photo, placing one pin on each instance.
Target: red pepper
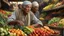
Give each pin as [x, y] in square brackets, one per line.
[2, 11]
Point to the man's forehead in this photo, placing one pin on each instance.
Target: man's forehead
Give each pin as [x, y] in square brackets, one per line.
[28, 5]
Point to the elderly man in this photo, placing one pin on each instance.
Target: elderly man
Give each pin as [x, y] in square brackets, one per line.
[35, 8]
[25, 16]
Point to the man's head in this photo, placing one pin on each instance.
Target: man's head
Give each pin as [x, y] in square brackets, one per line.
[35, 6]
[26, 6]
[19, 6]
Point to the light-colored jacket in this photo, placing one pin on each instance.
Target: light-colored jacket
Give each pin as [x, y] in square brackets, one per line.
[29, 19]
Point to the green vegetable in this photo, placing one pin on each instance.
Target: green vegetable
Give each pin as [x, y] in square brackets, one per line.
[27, 30]
[60, 25]
[55, 19]
[3, 20]
[3, 32]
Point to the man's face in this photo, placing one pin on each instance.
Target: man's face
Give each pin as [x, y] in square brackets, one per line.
[27, 8]
[35, 8]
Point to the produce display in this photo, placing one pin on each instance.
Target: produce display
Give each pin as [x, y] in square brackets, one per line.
[4, 32]
[7, 13]
[27, 30]
[53, 5]
[58, 4]
[11, 32]
[53, 20]
[61, 23]
[3, 16]
[56, 22]
[46, 31]
[16, 32]
[48, 7]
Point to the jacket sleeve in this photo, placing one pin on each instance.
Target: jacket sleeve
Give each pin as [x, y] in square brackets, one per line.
[12, 17]
[35, 20]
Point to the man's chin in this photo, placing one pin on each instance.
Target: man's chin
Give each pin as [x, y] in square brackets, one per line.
[27, 11]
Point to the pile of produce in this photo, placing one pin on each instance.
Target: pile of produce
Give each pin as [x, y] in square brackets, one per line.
[41, 31]
[4, 32]
[27, 30]
[61, 23]
[46, 31]
[16, 32]
[59, 4]
[53, 5]
[7, 13]
[11, 32]
[3, 16]
[53, 20]
[56, 22]
[48, 7]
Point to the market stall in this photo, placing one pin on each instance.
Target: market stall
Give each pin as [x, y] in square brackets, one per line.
[53, 25]
[54, 16]
[18, 30]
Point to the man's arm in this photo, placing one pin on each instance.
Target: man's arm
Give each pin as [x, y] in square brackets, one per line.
[38, 14]
[36, 21]
[12, 20]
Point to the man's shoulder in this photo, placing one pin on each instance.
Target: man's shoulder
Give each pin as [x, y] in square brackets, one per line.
[31, 13]
[38, 12]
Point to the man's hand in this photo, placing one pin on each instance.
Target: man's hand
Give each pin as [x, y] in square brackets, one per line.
[16, 22]
[20, 22]
[37, 25]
